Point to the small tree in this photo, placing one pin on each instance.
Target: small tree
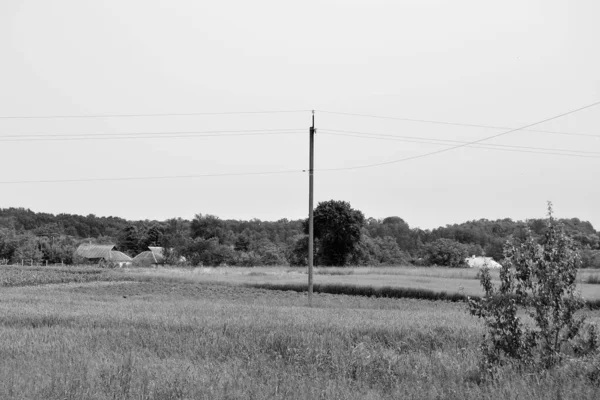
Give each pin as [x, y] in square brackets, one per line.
[540, 279]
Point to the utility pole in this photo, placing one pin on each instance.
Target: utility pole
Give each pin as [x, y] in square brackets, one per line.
[311, 228]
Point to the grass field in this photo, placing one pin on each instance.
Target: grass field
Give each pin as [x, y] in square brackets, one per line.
[182, 334]
[451, 281]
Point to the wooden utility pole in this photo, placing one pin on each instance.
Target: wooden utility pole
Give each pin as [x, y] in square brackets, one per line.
[311, 230]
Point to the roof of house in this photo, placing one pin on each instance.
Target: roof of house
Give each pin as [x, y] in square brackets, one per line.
[158, 251]
[153, 256]
[94, 250]
[117, 256]
[145, 257]
[159, 254]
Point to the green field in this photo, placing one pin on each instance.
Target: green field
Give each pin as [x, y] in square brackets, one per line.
[198, 334]
[436, 279]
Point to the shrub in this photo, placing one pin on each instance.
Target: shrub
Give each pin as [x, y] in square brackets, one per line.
[247, 259]
[541, 279]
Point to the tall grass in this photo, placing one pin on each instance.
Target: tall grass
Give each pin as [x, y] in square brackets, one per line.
[165, 341]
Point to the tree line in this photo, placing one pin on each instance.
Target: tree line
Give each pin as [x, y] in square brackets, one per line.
[343, 236]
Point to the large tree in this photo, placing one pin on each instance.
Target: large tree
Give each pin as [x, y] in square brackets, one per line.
[129, 240]
[337, 231]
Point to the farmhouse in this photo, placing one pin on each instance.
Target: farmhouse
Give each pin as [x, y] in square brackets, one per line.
[96, 253]
[153, 256]
[481, 262]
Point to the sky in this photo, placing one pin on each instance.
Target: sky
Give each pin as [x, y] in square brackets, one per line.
[120, 65]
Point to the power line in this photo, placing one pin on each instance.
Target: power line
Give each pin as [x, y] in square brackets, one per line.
[487, 147]
[151, 114]
[141, 178]
[143, 135]
[461, 145]
[457, 123]
[416, 139]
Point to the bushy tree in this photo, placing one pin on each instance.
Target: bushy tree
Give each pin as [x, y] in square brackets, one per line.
[268, 252]
[394, 227]
[297, 251]
[337, 231]
[210, 226]
[207, 252]
[57, 250]
[173, 240]
[378, 251]
[28, 250]
[541, 280]
[129, 240]
[446, 252]
[243, 241]
[8, 244]
[151, 237]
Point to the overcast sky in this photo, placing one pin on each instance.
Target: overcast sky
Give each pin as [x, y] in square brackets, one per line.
[503, 64]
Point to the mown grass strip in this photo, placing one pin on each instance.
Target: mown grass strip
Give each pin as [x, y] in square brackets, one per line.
[385, 292]
[593, 279]
[368, 291]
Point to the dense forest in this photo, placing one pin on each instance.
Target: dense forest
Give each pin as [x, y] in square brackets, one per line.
[31, 237]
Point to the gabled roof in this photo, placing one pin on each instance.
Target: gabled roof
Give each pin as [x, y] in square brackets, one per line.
[117, 256]
[95, 250]
[157, 251]
[150, 257]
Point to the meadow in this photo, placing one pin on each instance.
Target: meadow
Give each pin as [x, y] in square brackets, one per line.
[203, 334]
[452, 282]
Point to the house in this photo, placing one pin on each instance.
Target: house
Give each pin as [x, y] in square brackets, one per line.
[96, 253]
[481, 262]
[153, 256]
[122, 259]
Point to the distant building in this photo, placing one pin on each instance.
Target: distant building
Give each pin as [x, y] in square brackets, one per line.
[122, 259]
[153, 256]
[481, 262]
[96, 253]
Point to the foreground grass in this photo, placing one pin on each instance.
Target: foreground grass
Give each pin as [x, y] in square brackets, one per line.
[157, 338]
